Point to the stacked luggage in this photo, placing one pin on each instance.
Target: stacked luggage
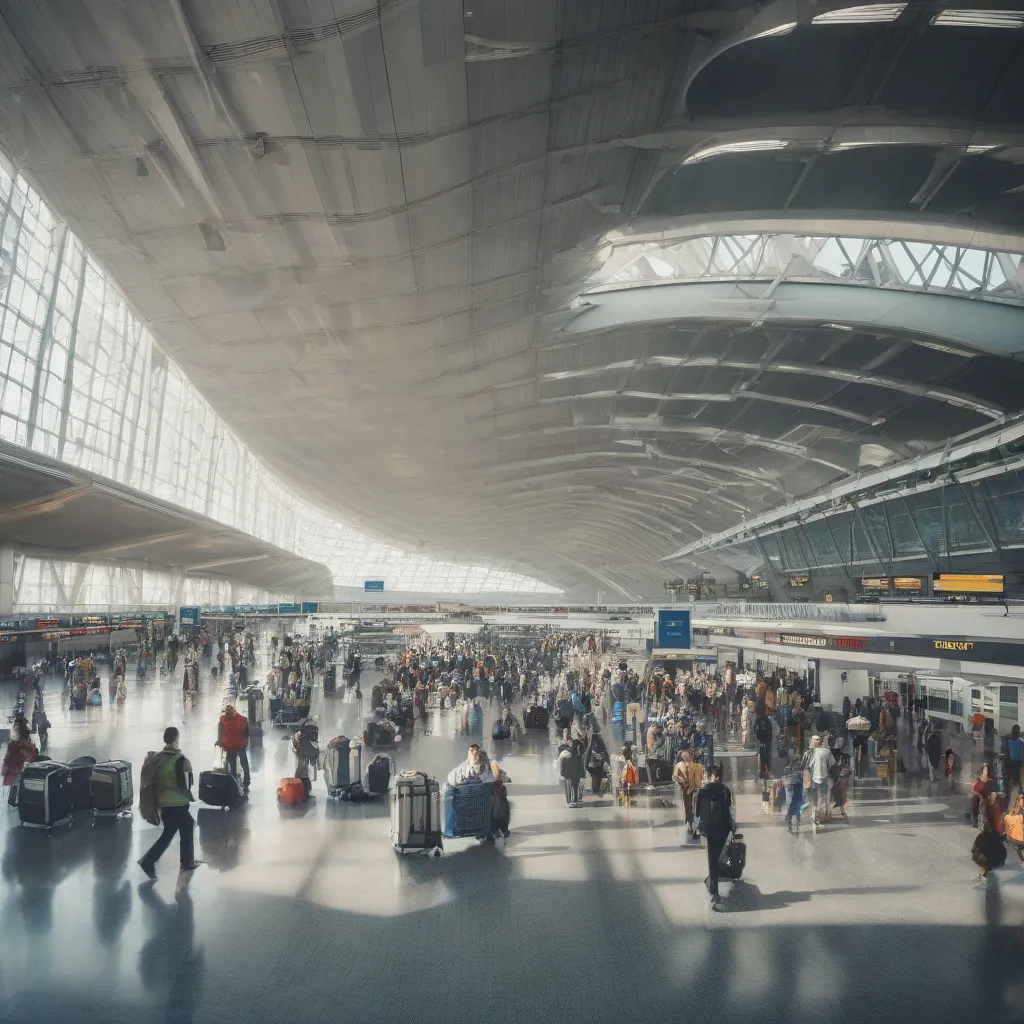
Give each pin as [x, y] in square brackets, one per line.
[416, 814]
[467, 810]
[341, 762]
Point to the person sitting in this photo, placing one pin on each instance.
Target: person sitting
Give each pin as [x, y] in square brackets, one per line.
[476, 768]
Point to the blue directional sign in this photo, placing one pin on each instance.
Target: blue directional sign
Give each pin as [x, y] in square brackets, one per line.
[188, 616]
[374, 586]
[672, 629]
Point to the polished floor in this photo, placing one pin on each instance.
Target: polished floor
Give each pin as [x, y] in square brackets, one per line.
[590, 914]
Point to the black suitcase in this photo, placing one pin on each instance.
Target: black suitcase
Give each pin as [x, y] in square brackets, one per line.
[81, 773]
[733, 859]
[44, 795]
[377, 776]
[110, 788]
[656, 772]
[219, 788]
[536, 717]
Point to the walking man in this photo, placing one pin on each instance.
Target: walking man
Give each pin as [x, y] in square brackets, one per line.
[714, 812]
[167, 776]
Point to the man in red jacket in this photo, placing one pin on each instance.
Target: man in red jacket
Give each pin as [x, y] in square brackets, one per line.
[233, 737]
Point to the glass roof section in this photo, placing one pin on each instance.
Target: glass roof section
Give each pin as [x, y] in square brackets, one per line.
[81, 380]
[868, 262]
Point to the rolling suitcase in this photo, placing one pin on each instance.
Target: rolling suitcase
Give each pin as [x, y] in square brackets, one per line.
[81, 774]
[110, 788]
[341, 764]
[536, 717]
[733, 859]
[416, 814]
[377, 777]
[44, 795]
[467, 810]
[656, 772]
[219, 788]
[291, 792]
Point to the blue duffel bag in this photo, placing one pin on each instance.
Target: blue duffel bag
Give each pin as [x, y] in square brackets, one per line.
[618, 712]
[467, 810]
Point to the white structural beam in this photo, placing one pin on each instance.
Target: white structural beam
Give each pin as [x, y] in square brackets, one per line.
[983, 325]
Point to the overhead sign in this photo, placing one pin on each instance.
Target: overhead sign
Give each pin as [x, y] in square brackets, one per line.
[289, 609]
[188, 616]
[310, 607]
[374, 586]
[672, 629]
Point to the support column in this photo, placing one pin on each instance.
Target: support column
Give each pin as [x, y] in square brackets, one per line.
[6, 579]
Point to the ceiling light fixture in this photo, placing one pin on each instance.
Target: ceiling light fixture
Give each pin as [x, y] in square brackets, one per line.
[751, 146]
[980, 19]
[869, 14]
[981, 148]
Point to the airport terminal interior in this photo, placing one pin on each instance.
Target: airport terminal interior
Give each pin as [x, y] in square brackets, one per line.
[511, 510]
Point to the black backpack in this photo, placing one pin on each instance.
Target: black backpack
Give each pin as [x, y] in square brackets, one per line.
[712, 809]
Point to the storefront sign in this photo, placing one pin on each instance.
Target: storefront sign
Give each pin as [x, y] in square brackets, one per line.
[953, 645]
[47, 623]
[796, 640]
[850, 643]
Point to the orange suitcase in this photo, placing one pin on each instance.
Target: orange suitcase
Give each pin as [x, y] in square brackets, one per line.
[291, 792]
[1014, 824]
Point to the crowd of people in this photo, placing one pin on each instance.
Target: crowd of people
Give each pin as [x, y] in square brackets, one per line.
[625, 730]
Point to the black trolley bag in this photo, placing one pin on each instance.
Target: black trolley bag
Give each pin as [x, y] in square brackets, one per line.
[44, 795]
[110, 788]
[536, 716]
[219, 788]
[81, 774]
[416, 814]
[733, 859]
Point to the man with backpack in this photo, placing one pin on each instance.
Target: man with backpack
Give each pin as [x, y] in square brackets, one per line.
[714, 812]
[233, 738]
[165, 791]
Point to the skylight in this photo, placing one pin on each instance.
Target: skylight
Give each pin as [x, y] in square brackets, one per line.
[750, 146]
[980, 19]
[869, 14]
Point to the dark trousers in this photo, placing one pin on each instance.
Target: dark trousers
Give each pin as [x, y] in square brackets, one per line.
[175, 819]
[234, 756]
[716, 844]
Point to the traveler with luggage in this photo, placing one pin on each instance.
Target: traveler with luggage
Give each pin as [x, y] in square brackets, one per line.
[714, 813]
[19, 752]
[476, 767]
[571, 771]
[501, 812]
[933, 751]
[306, 748]
[689, 776]
[165, 791]
[41, 725]
[233, 738]
[818, 762]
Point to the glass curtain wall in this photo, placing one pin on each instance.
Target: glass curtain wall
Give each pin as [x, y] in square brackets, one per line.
[51, 585]
[982, 517]
[81, 380]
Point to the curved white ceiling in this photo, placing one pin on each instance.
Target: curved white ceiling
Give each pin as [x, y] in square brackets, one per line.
[350, 232]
